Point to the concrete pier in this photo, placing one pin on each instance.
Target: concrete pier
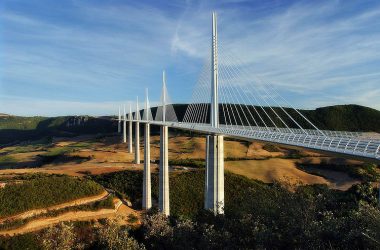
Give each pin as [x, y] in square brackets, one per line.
[163, 200]
[214, 197]
[125, 127]
[147, 190]
[124, 131]
[130, 137]
[137, 142]
[119, 122]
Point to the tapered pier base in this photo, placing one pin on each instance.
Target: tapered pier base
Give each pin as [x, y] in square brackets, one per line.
[137, 142]
[163, 200]
[214, 191]
[130, 137]
[147, 193]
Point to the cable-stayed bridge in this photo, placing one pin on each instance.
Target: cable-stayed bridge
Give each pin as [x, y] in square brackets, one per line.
[228, 101]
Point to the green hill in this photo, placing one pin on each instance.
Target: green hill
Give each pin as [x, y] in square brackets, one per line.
[345, 117]
[340, 117]
[14, 129]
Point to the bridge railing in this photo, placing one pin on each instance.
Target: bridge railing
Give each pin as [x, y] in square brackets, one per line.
[353, 145]
[347, 143]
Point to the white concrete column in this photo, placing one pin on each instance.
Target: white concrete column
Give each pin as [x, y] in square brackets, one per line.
[147, 190]
[214, 199]
[206, 173]
[119, 122]
[124, 131]
[125, 127]
[130, 137]
[163, 199]
[137, 142]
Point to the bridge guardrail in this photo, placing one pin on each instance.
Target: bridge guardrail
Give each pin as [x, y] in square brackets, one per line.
[351, 143]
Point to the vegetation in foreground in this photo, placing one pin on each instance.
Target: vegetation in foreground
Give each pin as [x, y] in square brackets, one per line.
[40, 191]
[257, 215]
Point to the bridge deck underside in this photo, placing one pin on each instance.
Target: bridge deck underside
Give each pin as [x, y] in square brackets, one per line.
[350, 143]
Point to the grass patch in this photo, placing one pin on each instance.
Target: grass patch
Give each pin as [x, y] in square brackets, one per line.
[81, 145]
[132, 218]
[194, 163]
[7, 161]
[365, 172]
[271, 148]
[60, 155]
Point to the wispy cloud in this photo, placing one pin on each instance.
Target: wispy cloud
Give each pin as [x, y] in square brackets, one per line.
[314, 53]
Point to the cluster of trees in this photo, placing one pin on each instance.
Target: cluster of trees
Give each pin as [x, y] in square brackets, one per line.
[41, 191]
[258, 215]
[108, 234]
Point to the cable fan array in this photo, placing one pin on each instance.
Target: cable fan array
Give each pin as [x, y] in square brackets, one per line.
[245, 101]
[147, 112]
[165, 112]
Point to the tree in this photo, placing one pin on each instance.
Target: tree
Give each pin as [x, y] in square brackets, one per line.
[60, 237]
[112, 236]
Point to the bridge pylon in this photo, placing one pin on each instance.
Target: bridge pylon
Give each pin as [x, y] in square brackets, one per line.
[214, 191]
[137, 133]
[163, 199]
[124, 126]
[130, 130]
[147, 189]
[119, 122]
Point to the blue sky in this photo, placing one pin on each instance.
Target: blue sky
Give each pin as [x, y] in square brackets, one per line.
[88, 57]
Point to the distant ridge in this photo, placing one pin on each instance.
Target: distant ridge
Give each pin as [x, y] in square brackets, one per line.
[17, 128]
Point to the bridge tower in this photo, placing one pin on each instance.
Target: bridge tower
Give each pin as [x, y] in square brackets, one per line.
[130, 130]
[124, 126]
[163, 199]
[119, 121]
[214, 191]
[137, 133]
[147, 190]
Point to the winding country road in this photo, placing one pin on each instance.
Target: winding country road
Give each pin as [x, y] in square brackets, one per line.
[72, 203]
[41, 223]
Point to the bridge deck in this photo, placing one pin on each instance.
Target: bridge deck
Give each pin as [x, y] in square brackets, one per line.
[350, 143]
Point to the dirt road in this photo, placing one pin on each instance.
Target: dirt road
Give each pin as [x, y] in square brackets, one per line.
[77, 202]
[38, 224]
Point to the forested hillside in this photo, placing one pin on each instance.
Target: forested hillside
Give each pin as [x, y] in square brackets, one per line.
[14, 129]
[345, 117]
[339, 117]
